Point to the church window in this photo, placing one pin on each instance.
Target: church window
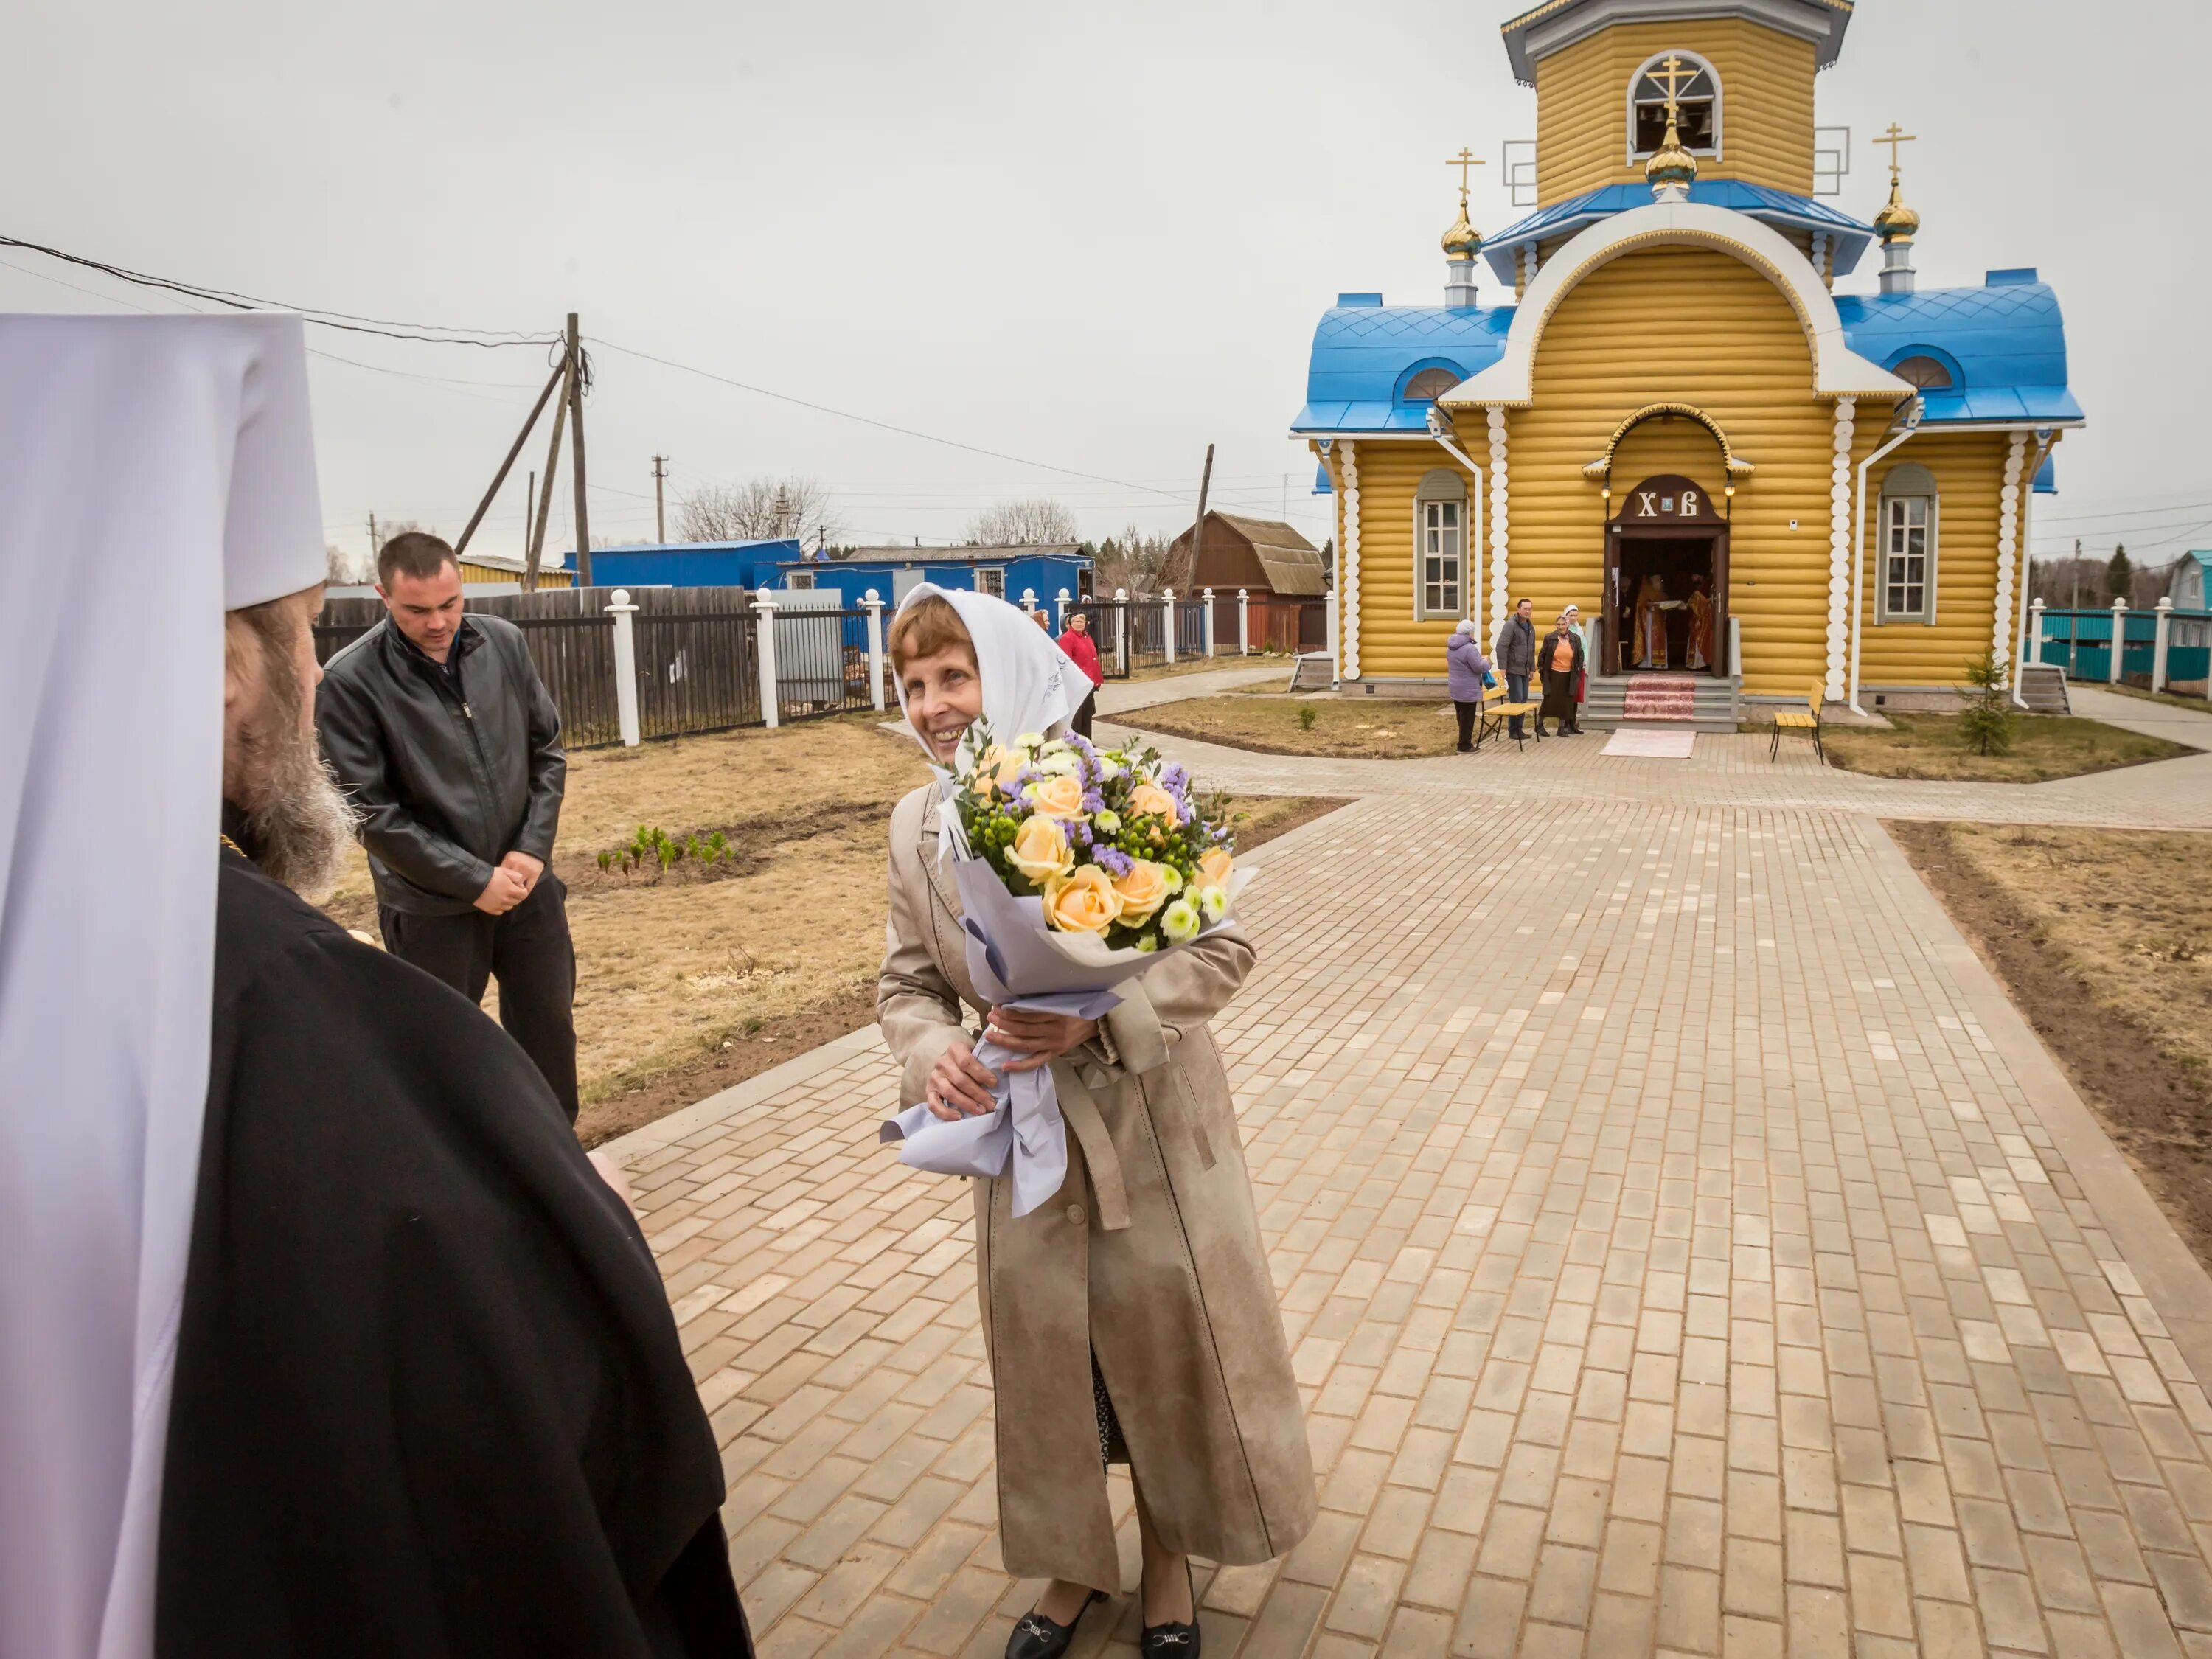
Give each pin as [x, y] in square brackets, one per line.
[1907, 589]
[991, 579]
[1440, 547]
[1430, 385]
[1927, 373]
[1698, 103]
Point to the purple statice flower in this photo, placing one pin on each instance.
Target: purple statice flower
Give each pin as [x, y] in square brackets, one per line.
[1093, 801]
[1112, 859]
[1176, 779]
[1080, 832]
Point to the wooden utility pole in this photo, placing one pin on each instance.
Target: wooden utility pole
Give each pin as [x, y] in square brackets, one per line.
[529, 501]
[506, 466]
[1198, 528]
[659, 518]
[374, 549]
[583, 577]
[544, 501]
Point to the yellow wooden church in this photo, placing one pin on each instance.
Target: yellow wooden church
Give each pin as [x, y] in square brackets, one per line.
[1670, 417]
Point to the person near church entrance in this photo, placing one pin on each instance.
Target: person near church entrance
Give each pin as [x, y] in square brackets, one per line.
[1515, 657]
[1651, 607]
[1083, 651]
[1466, 670]
[1700, 652]
[445, 738]
[1560, 656]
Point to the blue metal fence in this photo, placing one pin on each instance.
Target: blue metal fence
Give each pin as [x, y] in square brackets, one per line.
[2081, 642]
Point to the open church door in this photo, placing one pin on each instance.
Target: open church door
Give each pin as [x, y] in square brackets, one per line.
[1666, 578]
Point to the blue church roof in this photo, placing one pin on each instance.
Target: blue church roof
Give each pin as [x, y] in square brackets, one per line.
[1775, 207]
[2004, 344]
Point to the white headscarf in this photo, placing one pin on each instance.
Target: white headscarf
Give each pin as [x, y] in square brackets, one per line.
[1466, 625]
[154, 471]
[1025, 674]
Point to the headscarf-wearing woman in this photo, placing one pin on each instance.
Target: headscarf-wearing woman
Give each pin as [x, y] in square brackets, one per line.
[1465, 669]
[1133, 1318]
[1559, 658]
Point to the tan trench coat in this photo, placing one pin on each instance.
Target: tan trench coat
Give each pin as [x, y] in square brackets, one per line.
[1148, 1257]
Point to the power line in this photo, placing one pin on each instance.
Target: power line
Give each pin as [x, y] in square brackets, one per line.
[885, 426]
[427, 333]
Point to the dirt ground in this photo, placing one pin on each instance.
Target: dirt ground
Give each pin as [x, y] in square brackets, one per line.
[2104, 938]
[2178, 699]
[2044, 746]
[1369, 728]
[694, 979]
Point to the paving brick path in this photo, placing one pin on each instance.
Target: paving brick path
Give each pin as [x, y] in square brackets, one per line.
[1683, 1247]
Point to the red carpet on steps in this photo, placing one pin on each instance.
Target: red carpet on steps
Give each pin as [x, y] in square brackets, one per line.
[1660, 697]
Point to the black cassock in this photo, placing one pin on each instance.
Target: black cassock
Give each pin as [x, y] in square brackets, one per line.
[429, 1399]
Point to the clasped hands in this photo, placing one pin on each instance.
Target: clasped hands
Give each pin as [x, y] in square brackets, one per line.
[960, 1085]
[511, 883]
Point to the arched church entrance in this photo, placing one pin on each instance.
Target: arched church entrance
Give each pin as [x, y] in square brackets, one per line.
[1666, 580]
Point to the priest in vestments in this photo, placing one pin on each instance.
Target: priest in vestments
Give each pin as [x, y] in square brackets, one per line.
[1651, 622]
[1700, 653]
[322, 1335]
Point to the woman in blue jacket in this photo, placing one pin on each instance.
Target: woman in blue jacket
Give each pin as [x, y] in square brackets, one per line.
[1466, 670]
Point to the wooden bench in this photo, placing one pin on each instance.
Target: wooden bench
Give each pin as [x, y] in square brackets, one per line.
[1495, 711]
[1807, 719]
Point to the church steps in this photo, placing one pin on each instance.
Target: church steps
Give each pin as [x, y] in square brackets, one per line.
[1716, 705]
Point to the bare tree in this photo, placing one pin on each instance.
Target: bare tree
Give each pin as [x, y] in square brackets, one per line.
[1023, 524]
[1133, 560]
[763, 509]
[341, 568]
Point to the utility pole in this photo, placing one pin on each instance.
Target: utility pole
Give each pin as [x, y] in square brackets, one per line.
[583, 577]
[545, 498]
[374, 549]
[2076, 603]
[1198, 528]
[659, 518]
[529, 500]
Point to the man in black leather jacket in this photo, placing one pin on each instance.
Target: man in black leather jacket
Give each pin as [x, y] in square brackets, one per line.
[449, 747]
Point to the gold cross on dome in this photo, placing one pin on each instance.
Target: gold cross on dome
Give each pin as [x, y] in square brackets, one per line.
[1466, 159]
[1677, 73]
[1893, 137]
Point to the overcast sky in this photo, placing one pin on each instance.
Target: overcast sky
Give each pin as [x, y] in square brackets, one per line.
[1096, 237]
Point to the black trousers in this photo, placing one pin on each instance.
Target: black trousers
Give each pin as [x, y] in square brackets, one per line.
[1466, 712]
[529, 952]
[1080, 720]
[1558, 698]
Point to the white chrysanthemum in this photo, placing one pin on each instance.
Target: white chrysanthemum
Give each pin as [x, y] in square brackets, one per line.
[1147, 943]
[1180, 920]
[1062, 762]
[1029, 740]
[1108, 823]
[1214, 901]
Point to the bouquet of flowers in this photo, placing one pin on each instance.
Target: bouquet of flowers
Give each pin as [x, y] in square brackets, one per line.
[1079, 869]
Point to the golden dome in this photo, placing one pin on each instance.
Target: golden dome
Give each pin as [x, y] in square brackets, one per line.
[1896, 222]
[1462, 241]
[1670, 164]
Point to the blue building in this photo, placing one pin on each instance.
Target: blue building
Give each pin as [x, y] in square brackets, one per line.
[892, 572]
[694, 564]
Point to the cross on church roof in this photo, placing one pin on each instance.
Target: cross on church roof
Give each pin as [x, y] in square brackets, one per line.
[1466, 159]
[1893, 137]
[1675, 76]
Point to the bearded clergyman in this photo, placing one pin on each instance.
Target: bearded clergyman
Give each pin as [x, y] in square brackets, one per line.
[319, 1332]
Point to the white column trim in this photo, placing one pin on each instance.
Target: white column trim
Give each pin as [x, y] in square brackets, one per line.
[2008, 543]
[1500, 576]
[1843, 591]
[1351, 560]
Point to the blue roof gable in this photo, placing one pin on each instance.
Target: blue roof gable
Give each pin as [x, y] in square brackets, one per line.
[1363, 356]
[1774, 207]
[2006, 345]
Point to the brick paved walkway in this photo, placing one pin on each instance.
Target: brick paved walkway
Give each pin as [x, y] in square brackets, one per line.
[1684, 1247]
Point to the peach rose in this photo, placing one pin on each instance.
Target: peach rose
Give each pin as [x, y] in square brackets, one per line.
[1039, 849]
[1150, 800]
[996, 768]
[1143, 891]
[1059, 797]
[1081, 903]
[1214, 865]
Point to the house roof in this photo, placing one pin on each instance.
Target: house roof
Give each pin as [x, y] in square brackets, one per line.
[1293, 564]
[2004, 342]
[959, 554]
[1779, 207]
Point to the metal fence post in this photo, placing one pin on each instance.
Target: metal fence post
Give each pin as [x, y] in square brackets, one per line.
[1059, 612]
[2119, 639]
[1167, 611]
[2158, 649]
[1029, 600]
[1206, 596]
[872, 602]
[625, 667]
[764, 626]
[1122, 629]
[1244, 622]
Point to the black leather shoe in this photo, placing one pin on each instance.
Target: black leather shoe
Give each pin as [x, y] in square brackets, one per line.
[1036, 1636]
[1172, 1640]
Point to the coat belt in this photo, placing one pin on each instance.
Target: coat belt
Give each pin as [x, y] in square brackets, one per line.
[1079, 1110]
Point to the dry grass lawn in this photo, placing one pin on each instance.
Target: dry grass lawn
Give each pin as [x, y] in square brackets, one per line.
[2044, 746]
[2104, 938]
[749, 960]
[2143, 694]
[1369, 728]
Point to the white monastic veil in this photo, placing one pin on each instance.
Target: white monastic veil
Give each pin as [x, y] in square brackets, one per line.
[1025, 674]
[154, 471]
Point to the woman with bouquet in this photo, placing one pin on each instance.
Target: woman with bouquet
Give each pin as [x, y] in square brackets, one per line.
[1131, 1318]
